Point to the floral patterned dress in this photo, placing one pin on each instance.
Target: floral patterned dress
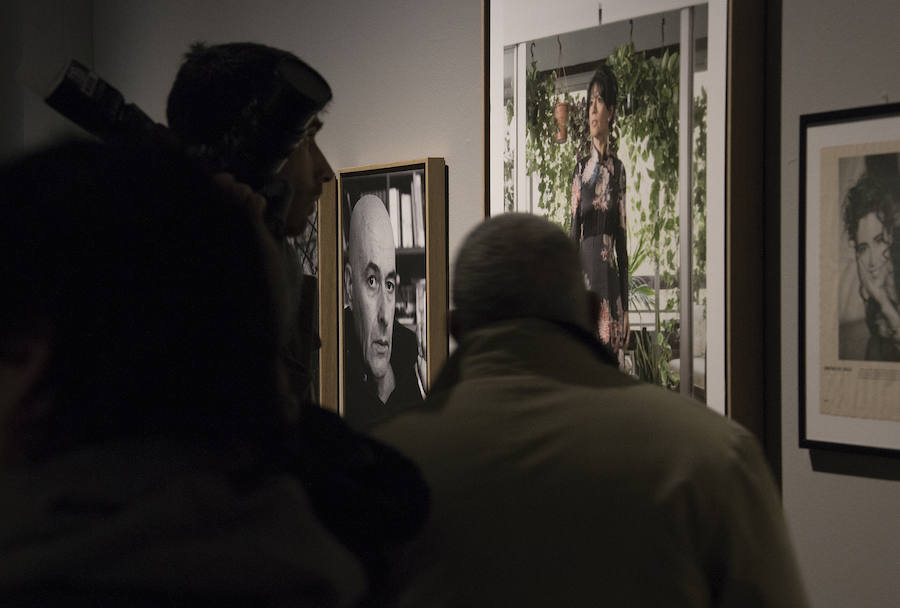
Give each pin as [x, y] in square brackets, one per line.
[598, 226]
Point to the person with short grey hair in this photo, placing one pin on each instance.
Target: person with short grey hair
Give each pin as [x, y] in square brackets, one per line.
[556, 479]
[542, 280]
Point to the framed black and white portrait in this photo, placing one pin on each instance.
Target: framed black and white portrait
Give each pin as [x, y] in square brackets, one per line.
[850, 262]
[392, 284]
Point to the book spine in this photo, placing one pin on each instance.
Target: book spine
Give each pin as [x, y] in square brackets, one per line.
[406, 221]
[394, 211]
[418, 203]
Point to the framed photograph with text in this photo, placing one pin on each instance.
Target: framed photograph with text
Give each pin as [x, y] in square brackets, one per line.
[392, 281]
[850, 272]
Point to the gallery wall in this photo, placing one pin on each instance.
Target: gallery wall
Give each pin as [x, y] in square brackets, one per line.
[407, 82]
[37, 37]
[842, 509]
[405, 74]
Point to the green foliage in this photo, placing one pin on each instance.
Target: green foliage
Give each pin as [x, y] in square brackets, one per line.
[699, 195]
[648, 119]
[647, 111]
[646, 125]
[552, 162]
[509, 164]
[652, 354]
[640, 294]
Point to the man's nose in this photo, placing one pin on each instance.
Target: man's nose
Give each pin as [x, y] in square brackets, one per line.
[324, 172]
[381, 309]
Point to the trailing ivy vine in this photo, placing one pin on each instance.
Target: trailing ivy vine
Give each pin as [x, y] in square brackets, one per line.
[647, 121]
[699, 196]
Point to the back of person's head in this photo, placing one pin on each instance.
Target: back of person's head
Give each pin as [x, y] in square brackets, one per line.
[154, 292]
[518, 265]
[245, 103]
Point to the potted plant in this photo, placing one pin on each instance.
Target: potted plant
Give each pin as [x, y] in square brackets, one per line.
[547, 156]
[561, 114]
[652, 354]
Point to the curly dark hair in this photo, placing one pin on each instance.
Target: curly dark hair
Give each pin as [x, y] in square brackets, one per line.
[870, 194]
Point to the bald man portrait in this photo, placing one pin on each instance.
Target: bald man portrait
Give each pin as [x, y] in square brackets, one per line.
[380, 376]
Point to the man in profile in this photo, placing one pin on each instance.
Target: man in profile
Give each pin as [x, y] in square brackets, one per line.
[381, 376]
[255, 109]
[558, 480]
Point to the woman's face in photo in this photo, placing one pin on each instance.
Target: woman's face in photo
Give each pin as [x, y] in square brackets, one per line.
[599, 114]
[872, 243]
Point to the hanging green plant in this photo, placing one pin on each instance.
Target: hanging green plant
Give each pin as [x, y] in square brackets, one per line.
[548, 157]
[648, 122]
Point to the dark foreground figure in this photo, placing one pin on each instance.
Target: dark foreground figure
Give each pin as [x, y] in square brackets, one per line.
[149, 454]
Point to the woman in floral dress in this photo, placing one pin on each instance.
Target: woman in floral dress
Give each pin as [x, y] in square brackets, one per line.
[598, 215]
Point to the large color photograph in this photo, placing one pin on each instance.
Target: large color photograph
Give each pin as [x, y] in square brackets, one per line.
[596, 121]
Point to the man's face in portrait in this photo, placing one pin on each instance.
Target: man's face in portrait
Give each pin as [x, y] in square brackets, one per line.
[372, 282]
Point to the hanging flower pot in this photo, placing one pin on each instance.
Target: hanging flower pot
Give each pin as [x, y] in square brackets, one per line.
[561, 114]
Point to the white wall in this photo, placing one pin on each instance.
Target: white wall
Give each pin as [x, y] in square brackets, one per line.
[406, 75]
[835, 55]
[37, 38]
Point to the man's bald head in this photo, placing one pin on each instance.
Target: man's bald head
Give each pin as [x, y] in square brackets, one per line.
[370, 227]
[370, 281]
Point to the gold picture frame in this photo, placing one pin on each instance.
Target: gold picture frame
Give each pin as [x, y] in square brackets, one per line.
[406, 292]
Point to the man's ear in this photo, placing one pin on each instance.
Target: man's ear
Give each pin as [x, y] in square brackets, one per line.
[455, 326]
[348, 285]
